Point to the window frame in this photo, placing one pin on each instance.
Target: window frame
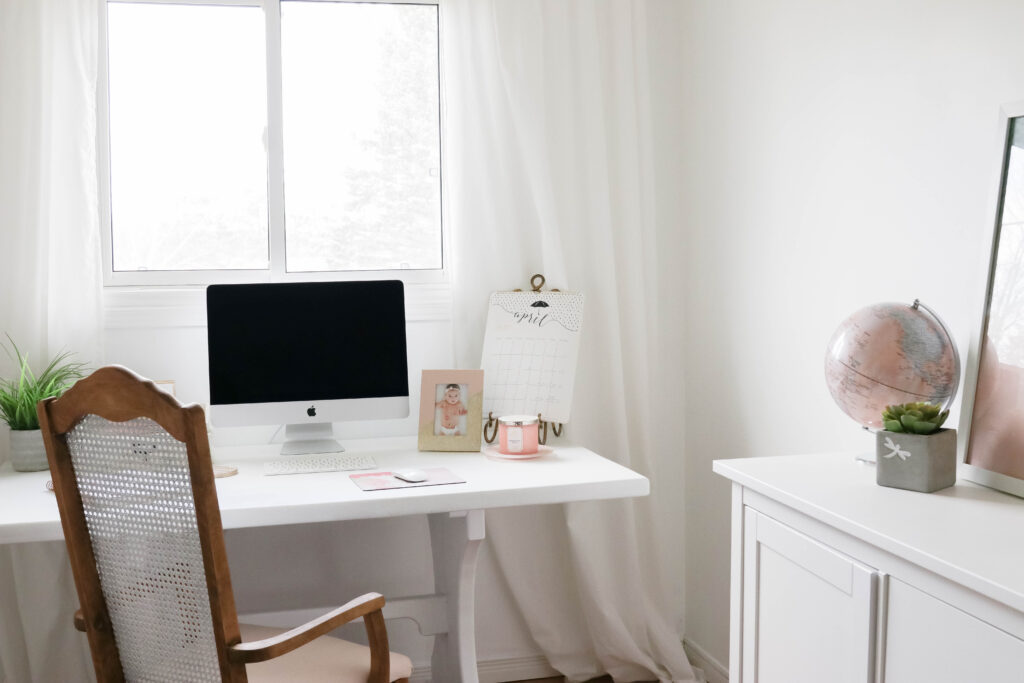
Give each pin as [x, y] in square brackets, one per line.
[276, 234]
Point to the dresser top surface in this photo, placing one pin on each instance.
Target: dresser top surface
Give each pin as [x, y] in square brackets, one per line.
[968, 533]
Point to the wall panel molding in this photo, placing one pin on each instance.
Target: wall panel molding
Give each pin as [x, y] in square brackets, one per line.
[180, 307]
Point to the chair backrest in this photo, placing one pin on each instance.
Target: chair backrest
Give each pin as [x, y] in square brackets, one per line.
[134, 482]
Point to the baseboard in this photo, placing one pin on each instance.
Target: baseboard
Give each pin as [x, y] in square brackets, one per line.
[498, 670]
[714, 672]
[492, 670]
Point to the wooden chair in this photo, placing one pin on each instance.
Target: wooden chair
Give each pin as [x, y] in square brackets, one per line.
[134, 482]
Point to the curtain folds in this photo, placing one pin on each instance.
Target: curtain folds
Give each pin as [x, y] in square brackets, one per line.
[551, 151]
[50, 282]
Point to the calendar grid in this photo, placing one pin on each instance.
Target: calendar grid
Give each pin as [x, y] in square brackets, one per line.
[529, 357]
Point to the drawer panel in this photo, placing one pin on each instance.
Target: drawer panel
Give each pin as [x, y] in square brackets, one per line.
[930, 640]
[808, 610]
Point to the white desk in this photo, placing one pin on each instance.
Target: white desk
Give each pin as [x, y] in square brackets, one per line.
[28, 513]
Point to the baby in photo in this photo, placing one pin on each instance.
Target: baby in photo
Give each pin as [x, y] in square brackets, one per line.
[451, 411]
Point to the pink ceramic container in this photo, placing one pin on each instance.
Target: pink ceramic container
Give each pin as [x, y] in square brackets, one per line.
[517, 434]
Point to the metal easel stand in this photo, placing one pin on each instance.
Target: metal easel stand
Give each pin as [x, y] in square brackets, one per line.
[557, 428]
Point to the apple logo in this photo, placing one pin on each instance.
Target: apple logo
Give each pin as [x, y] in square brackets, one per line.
[311, 411]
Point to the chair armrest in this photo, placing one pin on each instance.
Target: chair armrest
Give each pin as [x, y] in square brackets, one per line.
[79, 620]
[268, 648]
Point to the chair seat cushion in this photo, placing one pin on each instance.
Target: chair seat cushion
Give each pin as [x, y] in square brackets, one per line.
[323, 659]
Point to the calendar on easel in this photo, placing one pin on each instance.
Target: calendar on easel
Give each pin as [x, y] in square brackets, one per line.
[531, 345]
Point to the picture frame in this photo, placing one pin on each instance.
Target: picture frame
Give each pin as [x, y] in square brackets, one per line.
[991, 448]
[451, 410]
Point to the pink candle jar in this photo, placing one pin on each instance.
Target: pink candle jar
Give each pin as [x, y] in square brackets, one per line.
[517, 435]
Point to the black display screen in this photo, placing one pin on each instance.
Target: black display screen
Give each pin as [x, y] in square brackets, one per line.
[312, 341]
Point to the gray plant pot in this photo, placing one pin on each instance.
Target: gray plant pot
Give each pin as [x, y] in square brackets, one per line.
[28, 454]
[917, 462]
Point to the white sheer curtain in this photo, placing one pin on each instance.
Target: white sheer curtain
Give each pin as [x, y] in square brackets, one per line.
[552, 170]
[50, 282]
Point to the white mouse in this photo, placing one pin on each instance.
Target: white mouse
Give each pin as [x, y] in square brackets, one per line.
[411, 475]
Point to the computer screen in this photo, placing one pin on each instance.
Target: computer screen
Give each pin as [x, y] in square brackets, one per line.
[307, 354]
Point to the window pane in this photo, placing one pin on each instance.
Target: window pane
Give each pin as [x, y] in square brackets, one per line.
[361, 136]
[188, 161]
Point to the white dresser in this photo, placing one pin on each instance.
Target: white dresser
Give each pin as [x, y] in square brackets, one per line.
[836, 579]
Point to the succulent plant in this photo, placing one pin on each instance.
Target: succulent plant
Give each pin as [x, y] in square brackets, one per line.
[914, 418]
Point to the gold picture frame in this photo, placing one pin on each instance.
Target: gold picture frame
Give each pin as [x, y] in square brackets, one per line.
[451, 410]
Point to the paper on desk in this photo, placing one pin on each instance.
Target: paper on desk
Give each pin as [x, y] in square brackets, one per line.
[377, 481]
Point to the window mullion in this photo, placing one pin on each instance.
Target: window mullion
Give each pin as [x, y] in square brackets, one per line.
[103, 150]
[275, 140]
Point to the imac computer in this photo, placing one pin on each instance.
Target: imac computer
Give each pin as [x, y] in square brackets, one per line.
[306, 355]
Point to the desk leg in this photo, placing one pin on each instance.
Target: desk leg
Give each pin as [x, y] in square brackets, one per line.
[455, 542]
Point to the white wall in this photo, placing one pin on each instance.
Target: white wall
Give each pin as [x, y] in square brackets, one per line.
[838, 154]
[668, 109]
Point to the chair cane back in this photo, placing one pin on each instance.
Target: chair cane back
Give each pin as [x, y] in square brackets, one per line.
[135, 488]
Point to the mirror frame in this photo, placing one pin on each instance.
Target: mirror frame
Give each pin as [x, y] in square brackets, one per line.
[980, 475]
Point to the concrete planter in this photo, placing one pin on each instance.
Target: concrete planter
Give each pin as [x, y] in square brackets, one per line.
[28, 454]
[917, 462]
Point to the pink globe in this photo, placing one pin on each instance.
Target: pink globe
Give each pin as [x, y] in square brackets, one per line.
[890, 353]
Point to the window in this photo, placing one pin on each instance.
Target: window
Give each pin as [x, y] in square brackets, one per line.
[291, 139]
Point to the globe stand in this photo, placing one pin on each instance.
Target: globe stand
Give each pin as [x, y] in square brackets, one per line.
[952, 347]
[867, 456]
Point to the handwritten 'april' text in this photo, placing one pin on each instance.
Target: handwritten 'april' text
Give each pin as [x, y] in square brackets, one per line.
[531, 318]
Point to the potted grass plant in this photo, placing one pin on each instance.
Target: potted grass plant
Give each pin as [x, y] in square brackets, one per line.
[18, 399]
[913, 451]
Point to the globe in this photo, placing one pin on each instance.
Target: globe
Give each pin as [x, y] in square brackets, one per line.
[890, 353]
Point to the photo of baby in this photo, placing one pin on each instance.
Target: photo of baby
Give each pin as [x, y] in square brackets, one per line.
[450, 410]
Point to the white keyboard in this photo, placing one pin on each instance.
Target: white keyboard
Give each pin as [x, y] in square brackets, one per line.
[318, 462]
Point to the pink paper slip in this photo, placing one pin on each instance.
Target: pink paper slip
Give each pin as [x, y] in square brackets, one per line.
[377, 481]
